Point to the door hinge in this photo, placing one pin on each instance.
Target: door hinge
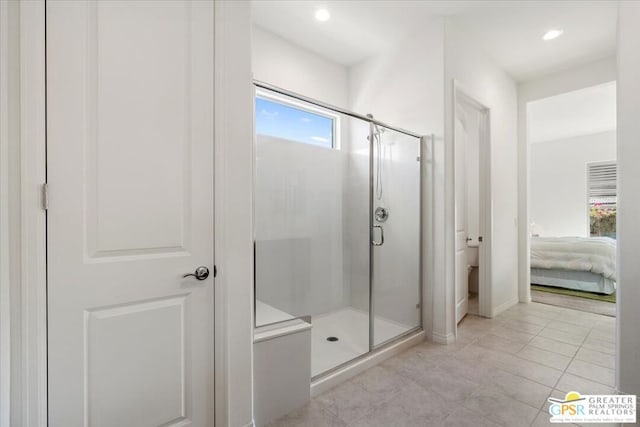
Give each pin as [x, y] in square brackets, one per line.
[215, 271]
[480, 239]
[45, 196]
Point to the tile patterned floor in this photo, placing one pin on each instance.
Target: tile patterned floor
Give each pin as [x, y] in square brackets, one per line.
[500, 372]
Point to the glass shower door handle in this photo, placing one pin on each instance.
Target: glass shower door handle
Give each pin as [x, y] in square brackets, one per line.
[381, 242]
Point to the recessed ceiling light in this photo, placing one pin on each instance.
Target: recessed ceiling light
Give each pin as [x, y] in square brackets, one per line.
[322, 15]
[552, 34]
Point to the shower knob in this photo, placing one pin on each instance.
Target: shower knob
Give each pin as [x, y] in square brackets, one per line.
[381, 214]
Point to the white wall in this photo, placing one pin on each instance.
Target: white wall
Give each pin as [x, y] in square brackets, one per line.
[286, 65]
[595, 73]
[481, 79]
[592, 74]
[628, 338]
[403, 87]
[561, 210]
[298, 223]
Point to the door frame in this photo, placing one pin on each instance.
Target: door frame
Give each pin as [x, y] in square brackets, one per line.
[23, 377]
[485, 210]
[28, 267]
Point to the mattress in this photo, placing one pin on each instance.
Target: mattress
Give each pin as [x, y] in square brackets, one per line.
[577, 280]
[591, 254]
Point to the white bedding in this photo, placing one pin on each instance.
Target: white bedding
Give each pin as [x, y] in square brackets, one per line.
[594, 254]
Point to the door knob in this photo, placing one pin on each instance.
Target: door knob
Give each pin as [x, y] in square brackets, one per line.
[201, 273]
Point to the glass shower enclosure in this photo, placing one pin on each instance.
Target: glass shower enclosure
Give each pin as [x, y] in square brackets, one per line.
[337, 225]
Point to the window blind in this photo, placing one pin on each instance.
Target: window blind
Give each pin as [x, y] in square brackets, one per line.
[602, 183]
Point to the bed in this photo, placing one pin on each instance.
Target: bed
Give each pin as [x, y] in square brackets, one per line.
[580, 263]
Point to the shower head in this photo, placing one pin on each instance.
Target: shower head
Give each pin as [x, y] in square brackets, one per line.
[377, 128]
[377, 131]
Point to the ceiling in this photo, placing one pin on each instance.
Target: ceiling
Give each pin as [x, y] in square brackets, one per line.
[582, 112]
[509, 31]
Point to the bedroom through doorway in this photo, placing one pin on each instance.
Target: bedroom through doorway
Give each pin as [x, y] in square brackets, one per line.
[573, 199]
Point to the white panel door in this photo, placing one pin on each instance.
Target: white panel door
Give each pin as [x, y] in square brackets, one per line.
[461, 273]
[130, 172]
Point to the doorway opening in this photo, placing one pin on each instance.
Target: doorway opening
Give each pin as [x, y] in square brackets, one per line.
[572, 139]
[472, 204]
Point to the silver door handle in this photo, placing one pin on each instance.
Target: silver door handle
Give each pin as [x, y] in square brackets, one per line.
[201, 273]
[381, 242]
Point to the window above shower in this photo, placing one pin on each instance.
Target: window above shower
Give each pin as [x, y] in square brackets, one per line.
[282, 117]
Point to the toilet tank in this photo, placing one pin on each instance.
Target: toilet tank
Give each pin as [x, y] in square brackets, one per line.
[473, 257]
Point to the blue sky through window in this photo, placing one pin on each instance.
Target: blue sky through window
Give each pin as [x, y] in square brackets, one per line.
[295, 124]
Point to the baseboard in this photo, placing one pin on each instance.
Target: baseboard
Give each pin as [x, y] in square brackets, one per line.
[525, 297]
[442, 338]
[505, 306]
[328, 382]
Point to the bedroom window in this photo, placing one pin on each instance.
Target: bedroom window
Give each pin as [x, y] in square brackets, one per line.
[602, 195]
[283, 117]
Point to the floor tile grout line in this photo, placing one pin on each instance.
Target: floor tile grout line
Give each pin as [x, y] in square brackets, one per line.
[564, 371]
[436, 363]
[505, 322]
[479, 385]
[569, 364]
[491, 366]
[595, 351]
[540, 364]
[476, 335]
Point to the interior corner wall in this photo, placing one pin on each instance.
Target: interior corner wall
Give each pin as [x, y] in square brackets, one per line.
[403, 87]
[479, 77]
[628, 99]
[591, 74]
[561, 210]
[286, 65]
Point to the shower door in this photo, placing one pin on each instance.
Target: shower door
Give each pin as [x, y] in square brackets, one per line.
[395, 234]
[337, 226]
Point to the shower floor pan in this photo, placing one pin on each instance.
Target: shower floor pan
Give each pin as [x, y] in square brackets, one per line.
[351, 328]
